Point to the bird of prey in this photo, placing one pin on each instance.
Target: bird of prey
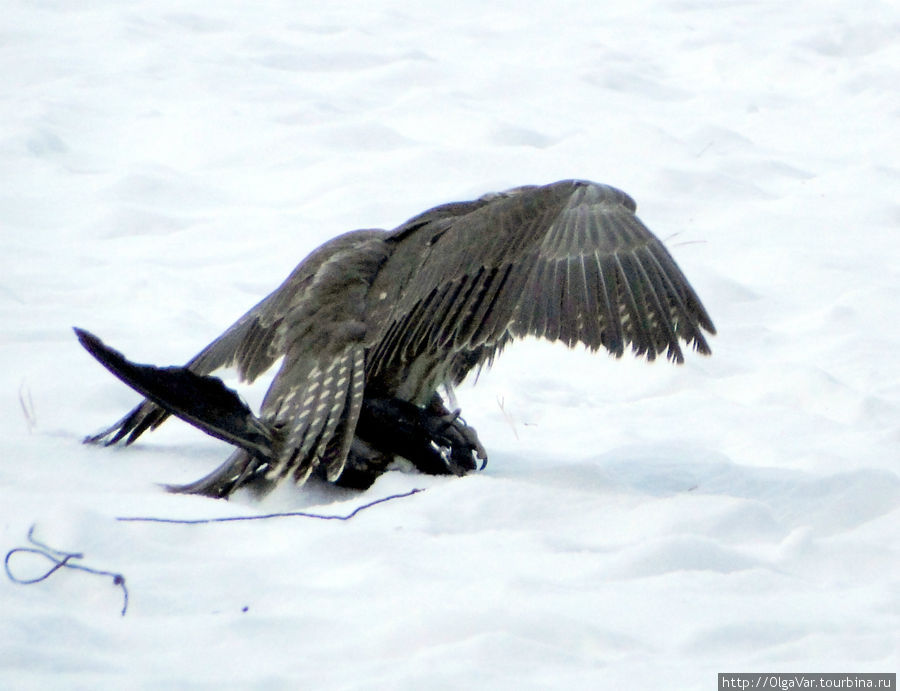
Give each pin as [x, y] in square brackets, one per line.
[372, 324]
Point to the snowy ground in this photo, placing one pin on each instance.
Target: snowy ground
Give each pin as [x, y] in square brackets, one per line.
[165, 164]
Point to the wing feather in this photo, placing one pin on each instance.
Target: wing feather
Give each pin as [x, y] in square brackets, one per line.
[480, 318]
[487, 285]
[666, 335]
[314, 404]
[459, 309]
[438, 324]
[632, 296]
[334, 454]
[610, 308]
[581, 302]
[690, 316]
[310, 413]
[573, 303]
[315, 399]
[252, 344]
[568, 261]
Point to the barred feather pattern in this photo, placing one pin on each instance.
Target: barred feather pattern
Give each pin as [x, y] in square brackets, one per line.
[320, 407]
[568, 262]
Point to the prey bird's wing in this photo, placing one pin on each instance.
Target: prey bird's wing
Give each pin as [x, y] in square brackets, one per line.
[201, 400]
[568, 261]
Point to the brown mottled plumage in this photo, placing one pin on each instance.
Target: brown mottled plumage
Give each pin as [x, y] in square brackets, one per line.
[395, 315]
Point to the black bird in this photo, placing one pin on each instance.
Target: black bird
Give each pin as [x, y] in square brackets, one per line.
[373, 323]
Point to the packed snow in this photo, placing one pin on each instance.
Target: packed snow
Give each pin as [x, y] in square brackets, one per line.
[166, 164]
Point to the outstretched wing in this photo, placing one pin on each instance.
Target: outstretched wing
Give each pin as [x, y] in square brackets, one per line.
[252, 344]
[568, 261]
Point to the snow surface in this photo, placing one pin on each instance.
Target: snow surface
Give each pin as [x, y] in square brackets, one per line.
[165, 164]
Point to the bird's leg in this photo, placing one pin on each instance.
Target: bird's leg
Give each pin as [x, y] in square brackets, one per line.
[434, 440]
[451, 427]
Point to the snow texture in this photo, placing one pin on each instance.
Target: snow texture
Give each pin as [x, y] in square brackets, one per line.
[165, 164]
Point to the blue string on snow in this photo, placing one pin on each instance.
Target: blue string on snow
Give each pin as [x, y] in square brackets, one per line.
[60, 560]
[63, 559]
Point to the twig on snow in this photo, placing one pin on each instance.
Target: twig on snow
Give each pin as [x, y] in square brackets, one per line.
[501, 402]
[27, 407]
